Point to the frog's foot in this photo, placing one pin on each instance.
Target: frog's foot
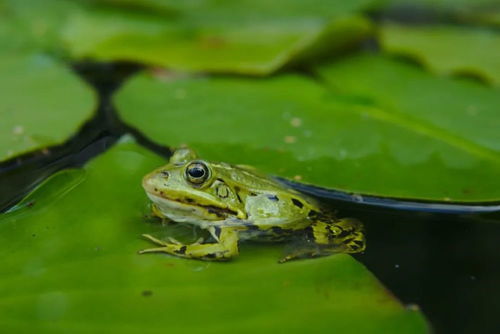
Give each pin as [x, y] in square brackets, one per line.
[339, 236]
[153, 239]
[225, 247]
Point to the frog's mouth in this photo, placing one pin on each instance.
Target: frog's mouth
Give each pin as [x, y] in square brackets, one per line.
[189, 211]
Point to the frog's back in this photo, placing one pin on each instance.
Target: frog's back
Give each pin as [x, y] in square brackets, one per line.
[269, 205]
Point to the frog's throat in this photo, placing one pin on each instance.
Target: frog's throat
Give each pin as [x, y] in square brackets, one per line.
[184, 211]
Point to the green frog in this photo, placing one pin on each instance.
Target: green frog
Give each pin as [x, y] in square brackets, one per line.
[236, 202]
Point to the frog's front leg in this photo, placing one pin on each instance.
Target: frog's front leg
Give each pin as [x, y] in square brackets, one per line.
[328, 237]
[155, 211]
[225, 247]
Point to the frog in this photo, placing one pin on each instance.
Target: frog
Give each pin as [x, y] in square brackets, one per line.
[236, 203]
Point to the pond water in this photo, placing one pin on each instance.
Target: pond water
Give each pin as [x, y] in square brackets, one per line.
[447, 264]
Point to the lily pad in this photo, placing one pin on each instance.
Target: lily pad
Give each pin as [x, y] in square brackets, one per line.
[447, 49]
[34, 25]
[458, 151]
[390, 129]
[255, 37]
[42, 103]
[71, 264]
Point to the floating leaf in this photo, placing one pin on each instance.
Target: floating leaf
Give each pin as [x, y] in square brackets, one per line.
[34, 25]
[255, 37]
[444, 132]
[42, 103]
[447, 49]
[72, 265]
[374, 142]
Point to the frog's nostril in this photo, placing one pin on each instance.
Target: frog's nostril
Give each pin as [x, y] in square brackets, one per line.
[164, 173]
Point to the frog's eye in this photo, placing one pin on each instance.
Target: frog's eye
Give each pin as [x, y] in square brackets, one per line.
[197, 172]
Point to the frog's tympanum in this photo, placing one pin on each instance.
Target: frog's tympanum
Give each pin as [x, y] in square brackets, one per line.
[235, 203]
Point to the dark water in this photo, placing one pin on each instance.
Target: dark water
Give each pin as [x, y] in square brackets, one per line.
[448, 264]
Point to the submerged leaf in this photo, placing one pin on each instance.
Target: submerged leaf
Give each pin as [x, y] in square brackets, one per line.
[73, 266]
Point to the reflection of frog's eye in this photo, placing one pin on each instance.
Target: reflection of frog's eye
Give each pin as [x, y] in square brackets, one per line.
[197, 172]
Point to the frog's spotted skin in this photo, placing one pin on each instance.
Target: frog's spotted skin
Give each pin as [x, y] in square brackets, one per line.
[238, 203]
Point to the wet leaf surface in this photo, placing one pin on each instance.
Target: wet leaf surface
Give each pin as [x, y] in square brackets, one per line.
[257, 37]
[451, 124]
[377, 127]
[42, 103]
[71, 263]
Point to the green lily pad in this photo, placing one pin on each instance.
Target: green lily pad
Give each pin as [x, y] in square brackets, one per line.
[34, 25]
[447, 49]
[370, 138]
[42, 103]
[252, 38]
[256, 37]
[457, 153]
[70, 263]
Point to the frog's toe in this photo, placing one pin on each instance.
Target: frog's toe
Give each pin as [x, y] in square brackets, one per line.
[300, 254]
[285, 259]
[152, 250]
[155, 240]
[174, 241]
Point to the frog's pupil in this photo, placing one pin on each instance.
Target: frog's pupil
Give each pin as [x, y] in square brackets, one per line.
[196, 172]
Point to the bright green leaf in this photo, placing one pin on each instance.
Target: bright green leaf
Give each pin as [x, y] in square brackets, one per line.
[458, 152]
[34, 25]
[374, 142]
[447, 49]
[42, 103]
[253, 37]
[71, 265]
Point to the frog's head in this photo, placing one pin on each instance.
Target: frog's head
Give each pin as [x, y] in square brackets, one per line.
[190, 190]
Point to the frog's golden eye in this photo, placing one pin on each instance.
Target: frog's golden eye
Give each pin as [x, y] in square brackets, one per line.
[197, 172]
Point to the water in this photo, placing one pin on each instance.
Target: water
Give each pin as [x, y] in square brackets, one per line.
[447, 264]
